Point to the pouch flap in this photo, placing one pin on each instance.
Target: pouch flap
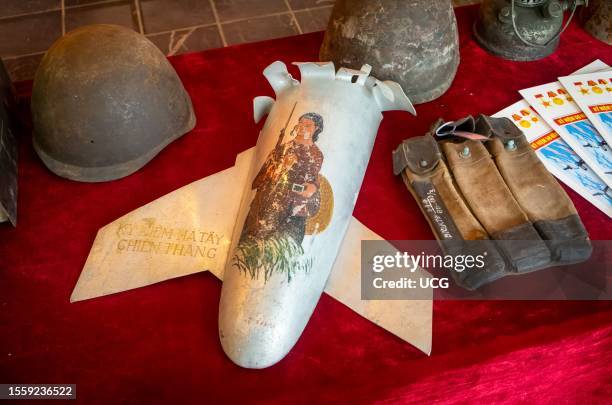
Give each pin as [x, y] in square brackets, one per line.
[420, 154]
[501, 127]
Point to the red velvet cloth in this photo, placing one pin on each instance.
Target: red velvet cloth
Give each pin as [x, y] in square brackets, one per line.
[160, 342]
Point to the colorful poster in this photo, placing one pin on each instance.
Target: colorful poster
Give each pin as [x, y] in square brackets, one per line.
[593, 94]
[557, 107]
[558, 157]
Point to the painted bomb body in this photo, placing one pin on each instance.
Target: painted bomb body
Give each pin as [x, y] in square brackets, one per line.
[309, 164]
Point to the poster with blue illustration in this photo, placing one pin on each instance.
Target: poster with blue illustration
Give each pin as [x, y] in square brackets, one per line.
[593, 94]
[558, 157]
[557, 107]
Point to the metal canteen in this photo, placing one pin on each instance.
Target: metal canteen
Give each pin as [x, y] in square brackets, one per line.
[309, 163]
[414, 43]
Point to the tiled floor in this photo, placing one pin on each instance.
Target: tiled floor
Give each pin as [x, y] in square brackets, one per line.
[29, 27]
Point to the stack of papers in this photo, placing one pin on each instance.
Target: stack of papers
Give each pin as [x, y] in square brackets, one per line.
[569, 124]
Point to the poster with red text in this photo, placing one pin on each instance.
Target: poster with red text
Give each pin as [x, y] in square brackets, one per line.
[593, 94]
[558, 157]
[557, 107]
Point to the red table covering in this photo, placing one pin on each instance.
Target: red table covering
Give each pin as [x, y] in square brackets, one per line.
[160, 342]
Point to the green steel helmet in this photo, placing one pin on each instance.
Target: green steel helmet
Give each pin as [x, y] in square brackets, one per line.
[105, 101]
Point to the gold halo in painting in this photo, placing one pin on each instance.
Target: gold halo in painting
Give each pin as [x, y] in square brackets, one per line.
[319, 222]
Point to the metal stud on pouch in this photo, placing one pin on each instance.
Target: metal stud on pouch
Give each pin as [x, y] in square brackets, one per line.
[465, 153]
[511, 145]
[423, 163]
[522, 30]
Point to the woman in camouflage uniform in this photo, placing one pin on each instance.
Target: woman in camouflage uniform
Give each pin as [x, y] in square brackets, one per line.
[287, 195]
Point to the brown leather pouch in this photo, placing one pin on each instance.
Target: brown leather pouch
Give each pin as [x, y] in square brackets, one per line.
[540, 196]
[426, 176]
[488, 183]
[494, 205]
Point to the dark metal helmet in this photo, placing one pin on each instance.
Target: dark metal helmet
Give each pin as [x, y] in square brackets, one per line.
[105, 101]
[413, 43]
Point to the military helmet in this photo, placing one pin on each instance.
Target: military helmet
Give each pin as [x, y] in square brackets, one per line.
[105, 101]
[413, 43]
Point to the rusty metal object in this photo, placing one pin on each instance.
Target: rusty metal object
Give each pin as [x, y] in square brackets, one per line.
[412, 43]
[597, 19]
[8, 152]
[105, 101]
[522, 30]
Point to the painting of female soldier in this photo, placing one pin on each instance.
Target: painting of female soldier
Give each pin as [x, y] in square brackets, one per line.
[286, 195]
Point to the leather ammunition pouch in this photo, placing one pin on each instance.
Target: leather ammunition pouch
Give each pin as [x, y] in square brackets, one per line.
[482, 181]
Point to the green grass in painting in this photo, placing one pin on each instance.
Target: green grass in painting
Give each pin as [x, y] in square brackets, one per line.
[277, 254]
